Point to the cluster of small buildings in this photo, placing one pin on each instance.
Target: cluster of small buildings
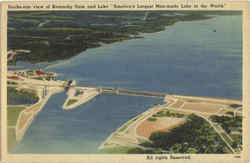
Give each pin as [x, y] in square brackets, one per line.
[32, 74]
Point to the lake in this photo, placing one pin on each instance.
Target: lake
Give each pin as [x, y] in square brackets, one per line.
[188, 58]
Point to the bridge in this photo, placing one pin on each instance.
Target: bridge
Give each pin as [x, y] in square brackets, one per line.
[131, 92]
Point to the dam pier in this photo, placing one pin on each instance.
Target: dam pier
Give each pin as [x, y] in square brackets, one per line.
[131, 92]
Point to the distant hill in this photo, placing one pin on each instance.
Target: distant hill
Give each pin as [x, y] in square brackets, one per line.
[56, 35]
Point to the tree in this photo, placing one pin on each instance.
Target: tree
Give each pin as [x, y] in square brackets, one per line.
[136, 150]
[192, 150]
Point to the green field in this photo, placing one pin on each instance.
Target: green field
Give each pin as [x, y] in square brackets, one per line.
[13, 113]
[131, 150]
[116, 150]
[11, 138]
[71, 101]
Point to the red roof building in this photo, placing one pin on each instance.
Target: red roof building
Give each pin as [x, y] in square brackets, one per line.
[13, 77]
[39, 72]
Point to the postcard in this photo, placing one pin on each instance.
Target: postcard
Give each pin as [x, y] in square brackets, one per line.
[96, 81]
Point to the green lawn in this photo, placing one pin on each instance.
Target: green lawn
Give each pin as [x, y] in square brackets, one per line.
[71, 101]
[11, 138]
[117, 150]
[13, 113]
[152, 119]
[131, 150]
[17, 106]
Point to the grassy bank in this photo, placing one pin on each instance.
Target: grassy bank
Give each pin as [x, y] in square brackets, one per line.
[17, 101]
[13, 113]
[71, 101]
[21, 97]
[11, 138]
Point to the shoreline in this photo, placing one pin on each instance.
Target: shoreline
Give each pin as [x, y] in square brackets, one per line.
[32, 111]
[129, 36]
[87, 95]
[28, 114]
[124, 131]
[126, 135]
[43, 90]
[210, 98]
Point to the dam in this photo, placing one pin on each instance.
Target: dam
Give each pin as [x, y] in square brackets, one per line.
[77, 95]
[132, 92]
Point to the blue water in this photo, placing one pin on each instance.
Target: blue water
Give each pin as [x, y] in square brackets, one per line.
[187, 58]
[83, 129]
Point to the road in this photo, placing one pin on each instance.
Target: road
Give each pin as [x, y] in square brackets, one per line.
[218, 132]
